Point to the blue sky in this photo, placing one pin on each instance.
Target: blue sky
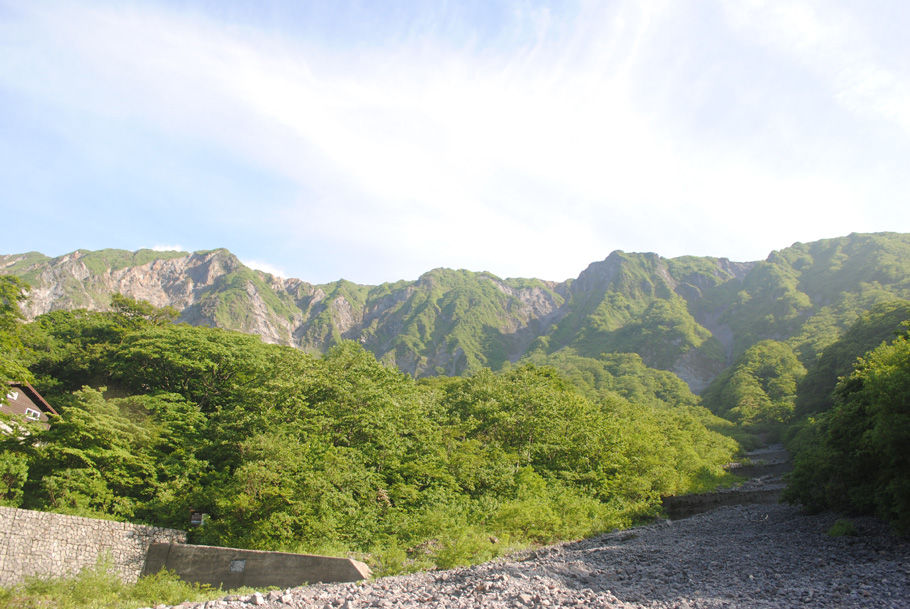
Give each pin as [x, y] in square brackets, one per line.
[376, 140]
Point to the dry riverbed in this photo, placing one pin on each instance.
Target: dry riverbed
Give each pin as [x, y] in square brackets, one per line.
[755, 556]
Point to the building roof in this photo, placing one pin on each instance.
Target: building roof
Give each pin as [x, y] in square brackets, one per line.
[34, 396]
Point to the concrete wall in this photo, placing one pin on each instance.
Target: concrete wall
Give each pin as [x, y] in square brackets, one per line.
[684, 506]
[232, 568]
[54, 545]
[46, 544]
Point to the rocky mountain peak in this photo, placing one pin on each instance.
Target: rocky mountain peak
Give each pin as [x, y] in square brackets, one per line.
[680, 314]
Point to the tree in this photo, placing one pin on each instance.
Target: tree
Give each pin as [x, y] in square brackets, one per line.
[856, 457]
[12, 365]
[208, 366]
[127, 458]
[137, 311]
[881, 323]
[91, 462]
[760, 388]
[70, 349]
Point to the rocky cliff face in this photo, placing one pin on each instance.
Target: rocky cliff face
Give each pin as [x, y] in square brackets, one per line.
[67, 282]
[186, 282]
[215, 289]
[690, 315]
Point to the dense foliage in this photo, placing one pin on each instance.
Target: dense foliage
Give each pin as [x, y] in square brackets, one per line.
[632, 303]
[881, 323]
[759, 389]
[12, 292]
[340, 453]
[854, 457]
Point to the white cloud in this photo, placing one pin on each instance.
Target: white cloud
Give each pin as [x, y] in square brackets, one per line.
[265, 267]
[521, 158]
[168, 248]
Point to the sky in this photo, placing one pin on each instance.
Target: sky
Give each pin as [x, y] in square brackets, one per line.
[374, 141]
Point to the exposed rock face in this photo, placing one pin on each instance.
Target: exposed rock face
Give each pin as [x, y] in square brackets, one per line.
[598, 276]
[689, 315]
[215, 289]
[401, 325]
[696, 370]
[69, 283]
[344, 316]
[185, 283]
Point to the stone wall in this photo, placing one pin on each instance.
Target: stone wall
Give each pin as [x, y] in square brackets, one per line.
[46, 544]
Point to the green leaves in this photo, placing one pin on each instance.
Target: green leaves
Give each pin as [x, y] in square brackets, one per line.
[691, 315]
[205, 365]
[114, 458]
[881, 323]
[760, 388]
[287, 450]
[92, 461]
[856, 457]
[342, 453]
[12, 358]
[137, 311]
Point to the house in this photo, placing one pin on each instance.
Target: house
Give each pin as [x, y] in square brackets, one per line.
[23, 400]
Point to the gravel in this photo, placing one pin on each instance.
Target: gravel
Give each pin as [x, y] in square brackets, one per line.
[755, 556]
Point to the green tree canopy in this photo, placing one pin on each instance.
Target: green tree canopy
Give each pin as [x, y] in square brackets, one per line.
[126, 458]
[855, 457]
[760, 388]
[881, 323]
[12, 358]
[141, 310]
[341, 453]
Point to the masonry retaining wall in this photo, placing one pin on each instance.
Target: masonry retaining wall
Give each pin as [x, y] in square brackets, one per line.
[47, 544]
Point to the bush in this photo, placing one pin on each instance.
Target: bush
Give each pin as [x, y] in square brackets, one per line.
[843, 527]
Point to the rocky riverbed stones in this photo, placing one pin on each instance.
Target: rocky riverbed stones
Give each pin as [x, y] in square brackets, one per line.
[744, 556]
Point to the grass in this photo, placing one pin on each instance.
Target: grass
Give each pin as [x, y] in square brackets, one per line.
[98, 587]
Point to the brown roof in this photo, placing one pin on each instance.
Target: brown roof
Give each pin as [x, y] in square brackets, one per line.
[33, 394]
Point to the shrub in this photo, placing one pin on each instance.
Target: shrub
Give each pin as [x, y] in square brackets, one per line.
[98, 587]
[843, 527]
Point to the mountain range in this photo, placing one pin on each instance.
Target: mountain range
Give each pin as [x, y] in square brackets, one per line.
[689, 315]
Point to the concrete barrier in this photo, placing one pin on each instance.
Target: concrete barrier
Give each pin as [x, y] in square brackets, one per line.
[684, 506]
[233, 568]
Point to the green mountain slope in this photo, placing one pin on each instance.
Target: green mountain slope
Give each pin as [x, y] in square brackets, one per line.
[645, 304]
[808, 294]
[449, 322]
[692, 316]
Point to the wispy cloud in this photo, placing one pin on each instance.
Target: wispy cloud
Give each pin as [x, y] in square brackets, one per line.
[529, 148]
[168, 248]
[833, 44]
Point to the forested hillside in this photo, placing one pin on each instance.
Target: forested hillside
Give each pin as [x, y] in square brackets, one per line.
[691, 316]
[573, 411]
[336, 453]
